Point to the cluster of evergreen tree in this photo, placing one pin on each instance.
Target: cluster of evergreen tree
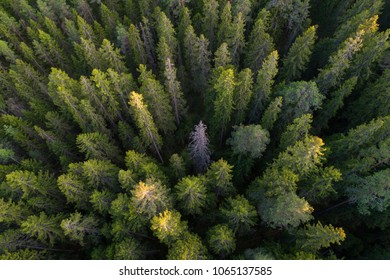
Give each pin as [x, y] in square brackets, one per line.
[212, 129]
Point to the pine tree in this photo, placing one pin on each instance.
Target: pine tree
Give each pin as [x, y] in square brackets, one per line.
[168, 227]
[318, 236]
[339, 62]
[109, 18]
[49, 51]
[157, 100]
[199, 148]
[334, 103]
[98, 146]
[184, 22]
[356, 15]
[221, 240]
[370, 192]
[75, 190]
[150, 198]
[127, 249]
[11, 212]
[299, 55]
[163, 53]
[222, 57]
[236, 38]
[7, 52]
[374, 47]
[44, 228]
[136, 45]
[239, 214]
[296, 131]
[173, 87]
[100, 174]
[225, 24]
[111, 57]
[210, 22]
[101, 201]
[224, 103]
[263, 86]
[189, 247]
[147, 38]
[271, 114]
[249, 141]
[79, 227]
[192, 195]
[177, 165]
[165, 29]
[299, 98]
[284, 211]
[260, 43]
[219, 178]
[197, 58]
[65, 93]
[243, 94]
[372, 101]
[145, 123]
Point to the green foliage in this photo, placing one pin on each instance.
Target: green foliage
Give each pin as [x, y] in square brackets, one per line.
[78, 227]
[299, 55]
[189, 247]
[221, 240]
[44, 228]
[173, 87]
[260, 43]
[145, 123]
[286, 210]
[150, 198]
[239, 214]
[157, 100]
[296, 131]
[242, 94]
[272, 112]
[192, 195]
[168, 227]
[371, 192]
[223, 58]
[97, 146]
[224, 102]
[127, 249]
[372, 102]
[10, 212]
[219, 178]
[197, 58]
[97, 164]
[263, 85]
[177, 166]
[299, 98]
[210, 22]
[315, 237]
[250, 140]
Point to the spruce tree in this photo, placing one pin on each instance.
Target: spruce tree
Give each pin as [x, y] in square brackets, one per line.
[157, 100]
[299, 55]
[263, 85]
[192, 195]
[173, 87]
[260, 43]
[224, 103]
[145, 123]
[210, 22]
[221, 240]
[243, 94]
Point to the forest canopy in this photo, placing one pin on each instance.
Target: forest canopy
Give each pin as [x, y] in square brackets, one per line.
[211, 129]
